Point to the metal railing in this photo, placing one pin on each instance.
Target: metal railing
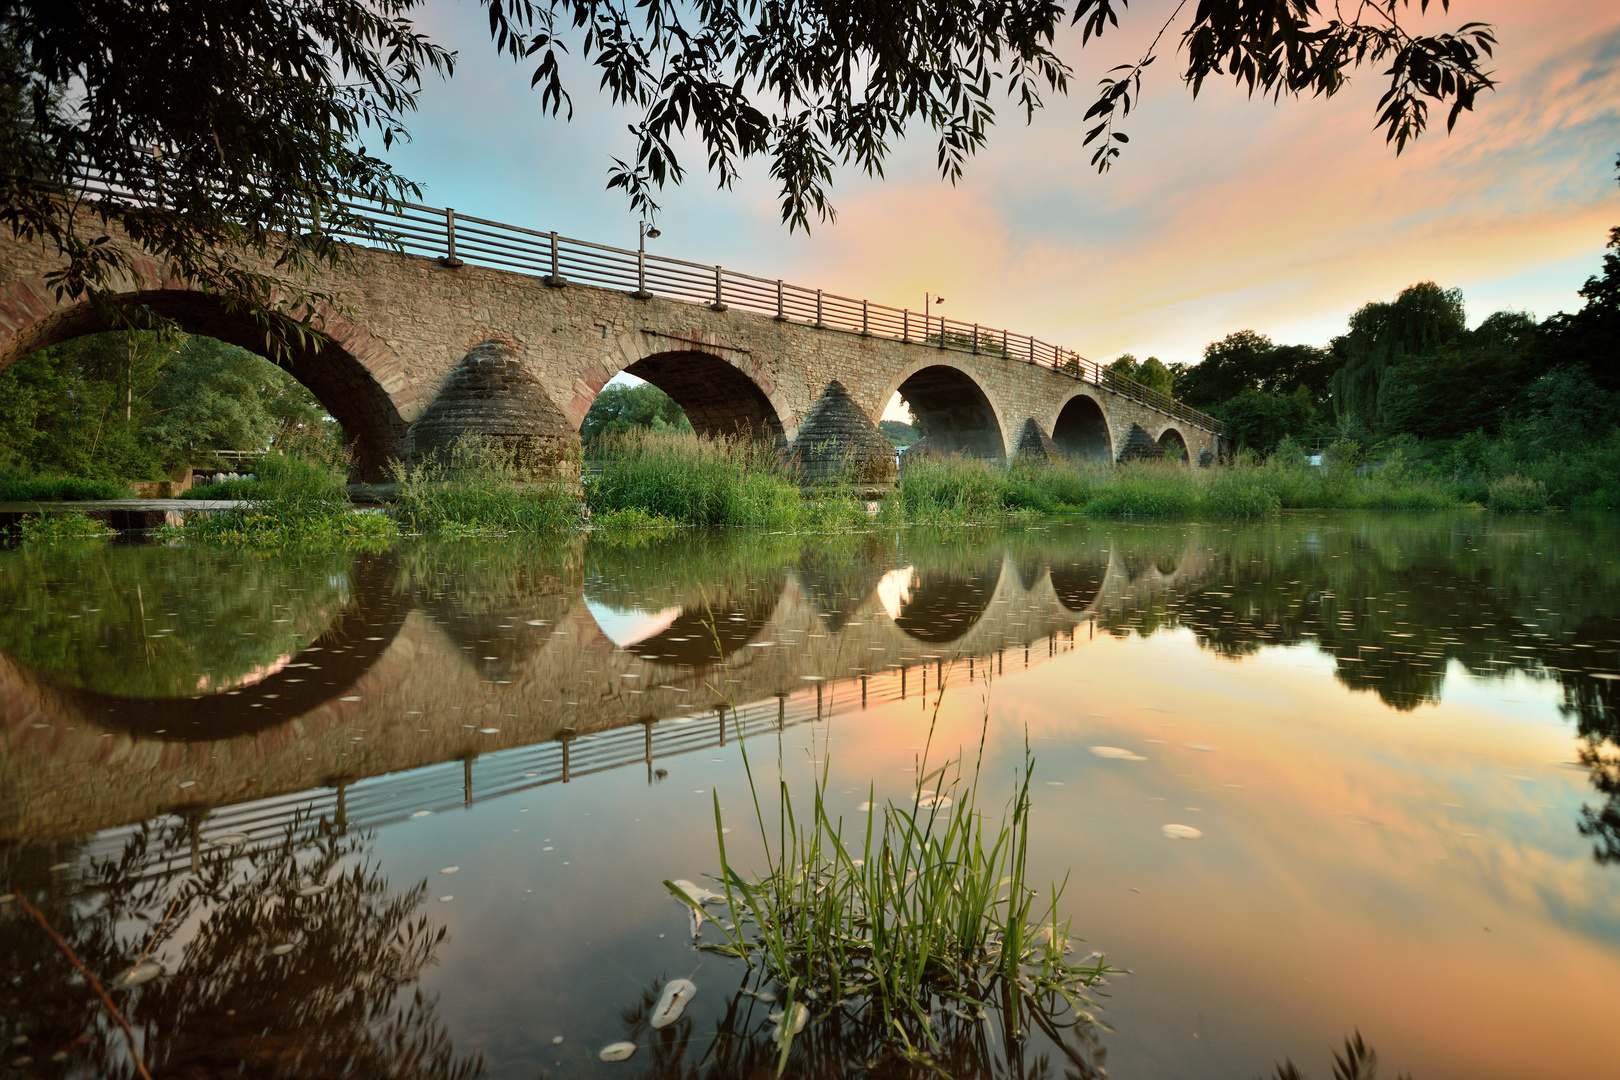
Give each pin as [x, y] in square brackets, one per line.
[456, 239]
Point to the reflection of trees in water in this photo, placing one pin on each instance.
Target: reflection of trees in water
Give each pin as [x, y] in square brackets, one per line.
[306, 675]
[484, 595]
[332, 1006]
[847, 1041]
[836, 582]
[159, 622]
[1395, 600]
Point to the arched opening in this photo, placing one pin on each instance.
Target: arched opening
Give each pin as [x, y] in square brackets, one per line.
[716, 397]
[1078, 583]
[1173, 445]
[1081, 431]
[952, 414]
[339, 380]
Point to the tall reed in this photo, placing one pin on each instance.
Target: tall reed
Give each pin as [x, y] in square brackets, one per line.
[930, 917]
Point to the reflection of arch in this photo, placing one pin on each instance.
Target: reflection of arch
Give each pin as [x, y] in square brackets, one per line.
[1078, 583]
[940, 606]
[953, 412]
[345, 373]
[348, 649]
[1173, 445]
[698, 637]
[1081, 430]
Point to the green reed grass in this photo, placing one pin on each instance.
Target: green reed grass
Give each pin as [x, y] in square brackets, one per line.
[709, 481]
[479, 490]
[956, 490]
[297, 502]
[928, 915]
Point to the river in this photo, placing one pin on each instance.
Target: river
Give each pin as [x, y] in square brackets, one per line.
[409, 813]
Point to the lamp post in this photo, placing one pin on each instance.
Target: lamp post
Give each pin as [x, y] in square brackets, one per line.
[647, 232]
[930, 299]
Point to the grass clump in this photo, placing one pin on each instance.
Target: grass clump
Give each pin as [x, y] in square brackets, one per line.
[711, 481]
[15, 487]
[921, 922]
[478, 490]
[70, 526]
[297, 503]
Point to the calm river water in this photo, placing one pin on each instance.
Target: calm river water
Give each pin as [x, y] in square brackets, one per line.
[408, 815]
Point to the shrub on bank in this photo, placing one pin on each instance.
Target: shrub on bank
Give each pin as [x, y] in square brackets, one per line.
[16, 487]
[70, 526]
[1515, 494]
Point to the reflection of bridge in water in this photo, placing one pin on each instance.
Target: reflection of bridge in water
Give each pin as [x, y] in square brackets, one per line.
[431, 698]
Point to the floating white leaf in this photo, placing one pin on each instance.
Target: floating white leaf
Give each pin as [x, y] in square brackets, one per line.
[677, 992]
[282, 950]
[312, 890]
[1115, 753]
[618, 1051]
[800, 1016]
[1181, 832]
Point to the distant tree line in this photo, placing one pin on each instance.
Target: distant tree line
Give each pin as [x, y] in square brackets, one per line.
[141, 405]
[1409, 375]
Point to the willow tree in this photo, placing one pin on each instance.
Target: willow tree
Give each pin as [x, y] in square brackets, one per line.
[1421, 319]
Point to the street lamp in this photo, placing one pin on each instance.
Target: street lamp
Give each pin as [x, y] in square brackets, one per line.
[929, 299]
[648, 232]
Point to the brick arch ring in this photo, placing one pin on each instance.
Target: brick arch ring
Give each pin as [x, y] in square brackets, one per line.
[355, 375]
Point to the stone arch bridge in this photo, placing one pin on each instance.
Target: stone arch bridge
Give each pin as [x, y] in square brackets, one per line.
[460, 325]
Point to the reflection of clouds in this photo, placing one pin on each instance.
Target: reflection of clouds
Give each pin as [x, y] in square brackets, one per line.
[894, 590]
[630, 626]
[257, 675]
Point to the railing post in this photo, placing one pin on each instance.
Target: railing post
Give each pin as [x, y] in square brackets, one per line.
[818, 307]
[450, 259]
[555, 278]
[863, 319]
[781, 315]
[719, 297]
[905, 326]
[975, 339]
[941, 333]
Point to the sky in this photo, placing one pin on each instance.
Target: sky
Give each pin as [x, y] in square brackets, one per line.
[1223, 214]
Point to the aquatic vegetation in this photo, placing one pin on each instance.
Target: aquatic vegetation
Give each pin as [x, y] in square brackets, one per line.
[300, 503]
[1515, 494]
[71, 526]
[927, 918]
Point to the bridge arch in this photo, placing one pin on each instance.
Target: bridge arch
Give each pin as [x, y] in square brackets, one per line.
[721, 388]
[1081, 428]
[349, 373]
[952, 407]
[1174, 445]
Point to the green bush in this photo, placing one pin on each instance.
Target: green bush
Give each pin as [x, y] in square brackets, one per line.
[1515, 494]
[15, 487]
[948, 491]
